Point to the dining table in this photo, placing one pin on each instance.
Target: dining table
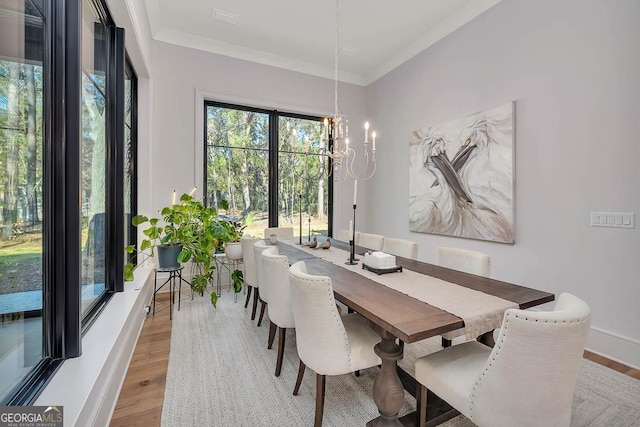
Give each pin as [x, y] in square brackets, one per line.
[396, 315]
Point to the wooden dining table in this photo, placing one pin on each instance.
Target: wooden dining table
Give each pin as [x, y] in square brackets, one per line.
[395, 315]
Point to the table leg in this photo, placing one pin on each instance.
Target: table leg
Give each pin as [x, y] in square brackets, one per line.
[388, 393]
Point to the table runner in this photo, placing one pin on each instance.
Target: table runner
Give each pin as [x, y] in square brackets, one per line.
[480, 312]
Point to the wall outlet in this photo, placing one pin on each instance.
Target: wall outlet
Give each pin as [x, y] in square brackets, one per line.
[613, 219]
[147, 309]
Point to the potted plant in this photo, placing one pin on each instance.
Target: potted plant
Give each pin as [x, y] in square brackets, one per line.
[199, 230]
[167, 240]
[235, 228]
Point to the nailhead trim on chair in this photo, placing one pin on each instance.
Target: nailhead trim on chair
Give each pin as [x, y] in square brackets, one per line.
[499, 345]
[329, 294]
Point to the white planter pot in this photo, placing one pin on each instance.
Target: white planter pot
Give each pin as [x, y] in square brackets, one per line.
[233, 250]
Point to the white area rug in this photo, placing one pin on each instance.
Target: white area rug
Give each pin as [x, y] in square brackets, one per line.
[221, 374]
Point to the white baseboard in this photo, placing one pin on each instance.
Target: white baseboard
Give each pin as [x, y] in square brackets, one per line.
[615, 347]
[88, 386]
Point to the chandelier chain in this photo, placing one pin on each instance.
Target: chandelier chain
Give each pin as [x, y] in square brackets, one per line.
[336, 57]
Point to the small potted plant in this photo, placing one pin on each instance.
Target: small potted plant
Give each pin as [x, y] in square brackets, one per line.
[232, 247]
[167, 240]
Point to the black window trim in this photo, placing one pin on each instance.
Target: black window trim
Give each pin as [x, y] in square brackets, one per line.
[273, 114]
[63, 323]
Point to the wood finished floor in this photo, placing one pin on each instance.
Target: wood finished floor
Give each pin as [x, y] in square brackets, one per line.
[142, 394]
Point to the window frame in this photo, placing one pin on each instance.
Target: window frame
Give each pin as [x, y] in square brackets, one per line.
[63, 323]
[273, 153]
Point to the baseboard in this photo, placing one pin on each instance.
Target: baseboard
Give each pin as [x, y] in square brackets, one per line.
[615, 347]
[88, 386]
[113, 376]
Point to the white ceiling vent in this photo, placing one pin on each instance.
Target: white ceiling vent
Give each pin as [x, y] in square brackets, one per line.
[225, 16]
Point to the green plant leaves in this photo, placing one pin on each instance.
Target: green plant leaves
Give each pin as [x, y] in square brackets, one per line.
[214, 298]
[200, 232]
[139, 219]
[238, 280]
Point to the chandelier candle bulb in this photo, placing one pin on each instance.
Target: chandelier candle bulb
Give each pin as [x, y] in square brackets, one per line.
[373, 136]
[366, 132]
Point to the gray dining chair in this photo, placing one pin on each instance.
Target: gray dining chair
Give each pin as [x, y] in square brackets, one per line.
[527, 379]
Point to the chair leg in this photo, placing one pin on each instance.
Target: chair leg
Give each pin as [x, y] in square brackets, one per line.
[421, 398]
[272, 334]
[264, 305]
[301, 367]
[256, 296]
[246, 302]
[281, 337]
[320, 383]
[356, 373]
[445, 342]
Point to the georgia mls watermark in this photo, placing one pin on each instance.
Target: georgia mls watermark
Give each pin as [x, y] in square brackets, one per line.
[31, 416]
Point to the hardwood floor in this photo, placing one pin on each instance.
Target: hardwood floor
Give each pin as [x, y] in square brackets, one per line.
[616, 366]
[142, 394]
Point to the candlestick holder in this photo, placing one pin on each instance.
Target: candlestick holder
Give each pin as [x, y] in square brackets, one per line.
[352, 243]
[300, 208]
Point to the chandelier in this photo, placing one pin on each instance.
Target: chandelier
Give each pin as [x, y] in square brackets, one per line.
[336, 134]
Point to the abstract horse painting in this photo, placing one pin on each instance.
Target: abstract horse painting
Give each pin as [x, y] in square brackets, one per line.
[461, 177]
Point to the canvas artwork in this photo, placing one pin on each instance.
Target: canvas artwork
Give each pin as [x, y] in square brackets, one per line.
[461, 177]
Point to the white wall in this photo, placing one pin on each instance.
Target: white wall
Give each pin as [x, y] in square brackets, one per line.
[572, 69]
[184, 77]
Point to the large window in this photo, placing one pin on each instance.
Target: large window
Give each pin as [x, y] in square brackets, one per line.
[263, 163]
[302, 181]
[93, 154]
[62, 179]
[22, 26]
[130, 148]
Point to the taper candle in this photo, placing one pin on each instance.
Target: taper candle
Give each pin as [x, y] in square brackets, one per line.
[355, 191]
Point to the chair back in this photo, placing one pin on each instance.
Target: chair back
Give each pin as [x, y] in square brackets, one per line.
[321, 337]
[472, 262]
[249, 259]
[275, 268]
[344, 235]
[532, 370]
[278, 231]
[258, 247]
[400, 247]
[375, 242]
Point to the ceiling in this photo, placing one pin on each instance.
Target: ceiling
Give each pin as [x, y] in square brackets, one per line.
[376, 35]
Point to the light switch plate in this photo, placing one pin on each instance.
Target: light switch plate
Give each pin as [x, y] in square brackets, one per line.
[613, 219]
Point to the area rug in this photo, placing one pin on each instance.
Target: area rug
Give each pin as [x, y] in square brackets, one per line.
[221, 373]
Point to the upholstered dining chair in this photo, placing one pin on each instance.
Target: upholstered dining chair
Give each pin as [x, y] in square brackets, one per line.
[375, 242]
[248, 258]
[275, 269]
[278, 231]
[344, 235]
[465, 260]
[263, 292]
[527, 379]
[400, 247]
[328, 343]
